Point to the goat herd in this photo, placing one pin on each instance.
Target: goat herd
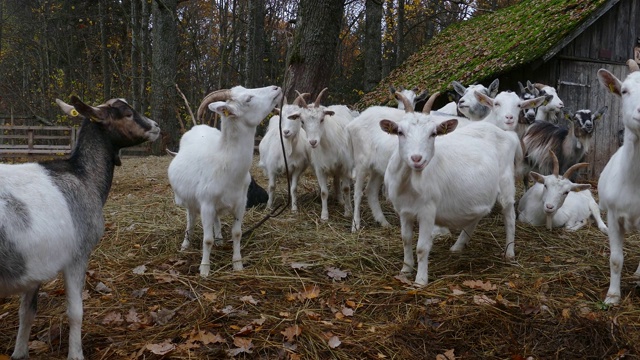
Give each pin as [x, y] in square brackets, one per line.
[443, 169]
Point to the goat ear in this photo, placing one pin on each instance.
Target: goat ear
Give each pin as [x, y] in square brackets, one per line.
[422, 96]
[93, 113]
[580, 187]
[276, 110]
[459, 88]
[610, 81]
[567, 114]
[598, 115]
[522, 89]
[446, 127]
[389, 127]
[493, 88]
[483, 99]
[536, 177]
[67, 109]
[533, 103]
[221, 108]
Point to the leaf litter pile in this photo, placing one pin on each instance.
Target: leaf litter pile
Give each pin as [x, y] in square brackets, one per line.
[313, 290]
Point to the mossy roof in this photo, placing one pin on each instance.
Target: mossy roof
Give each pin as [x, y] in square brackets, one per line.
[488, 45]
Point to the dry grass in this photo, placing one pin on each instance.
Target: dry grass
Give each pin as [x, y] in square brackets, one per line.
[547, 305]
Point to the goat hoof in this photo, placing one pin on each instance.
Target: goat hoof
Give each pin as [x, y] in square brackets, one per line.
[204, 270]
[237, 265]
[612, 299]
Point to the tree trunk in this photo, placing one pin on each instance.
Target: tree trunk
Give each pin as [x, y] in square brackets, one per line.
[256, 45]
[145, 51]
[400, 34]
[104, 55]
[163, 78]
[314, 46]
[135, 56]
[372, 44]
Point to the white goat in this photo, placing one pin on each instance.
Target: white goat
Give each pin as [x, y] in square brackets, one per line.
[556, 201]
[210, 174]
[505, 109]
[371, 148]
[51, 212]
[468, 105]
[552, 108]
[330, 152]
[412, 95]
[296, 148]
[620, 180]
[451, 180]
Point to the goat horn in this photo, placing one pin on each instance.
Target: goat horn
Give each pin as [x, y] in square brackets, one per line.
[427, 107]
[573, 168]
[407, 104]
[317, 102]
[300, 99]
[556, 165]
[539, 86]
[218, 95]
[633, 65]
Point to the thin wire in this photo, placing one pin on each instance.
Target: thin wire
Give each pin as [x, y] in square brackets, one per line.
[282, 207]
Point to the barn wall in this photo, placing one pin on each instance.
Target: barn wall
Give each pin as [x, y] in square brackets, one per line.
[608, 43]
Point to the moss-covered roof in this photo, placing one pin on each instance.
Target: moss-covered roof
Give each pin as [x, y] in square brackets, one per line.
[487, 46]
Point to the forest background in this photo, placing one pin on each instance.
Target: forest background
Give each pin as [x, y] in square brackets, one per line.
[141, 49]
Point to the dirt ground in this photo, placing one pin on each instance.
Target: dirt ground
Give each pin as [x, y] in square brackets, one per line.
[313, 290]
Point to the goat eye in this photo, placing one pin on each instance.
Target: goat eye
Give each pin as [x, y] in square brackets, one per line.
[400, 133]
[250, 98]
[566, 193]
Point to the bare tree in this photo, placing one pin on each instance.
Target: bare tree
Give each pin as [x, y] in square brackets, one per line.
[256, 44]
[163, 79]
[314, 46]
[372, 44]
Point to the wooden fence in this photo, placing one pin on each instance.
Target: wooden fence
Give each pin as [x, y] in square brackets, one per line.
[19, 141]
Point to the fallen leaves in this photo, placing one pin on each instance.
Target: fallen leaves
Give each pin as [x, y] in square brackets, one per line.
[310, 292]
[291, 332]
[479, 285]
[243, 345]
[336, 274]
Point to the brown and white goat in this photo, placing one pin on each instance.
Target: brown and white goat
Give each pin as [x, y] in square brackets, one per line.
[569, 144]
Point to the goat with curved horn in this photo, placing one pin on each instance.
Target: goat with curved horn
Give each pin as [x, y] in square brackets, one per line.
[218, 95]
[319, 98]
[429, 104]
[556, 201]
[407, 104]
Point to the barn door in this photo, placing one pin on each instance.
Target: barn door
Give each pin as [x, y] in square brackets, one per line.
[578, 87]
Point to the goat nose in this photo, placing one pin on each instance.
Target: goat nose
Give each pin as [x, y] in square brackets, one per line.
[549, 206]
[313, 142]
[509, 117]
[416, 158]
[286, 132]
[561, 105]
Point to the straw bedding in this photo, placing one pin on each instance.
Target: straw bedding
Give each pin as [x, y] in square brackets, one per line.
[314, 290]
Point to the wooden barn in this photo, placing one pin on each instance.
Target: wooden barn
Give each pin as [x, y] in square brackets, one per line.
[561, 43]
